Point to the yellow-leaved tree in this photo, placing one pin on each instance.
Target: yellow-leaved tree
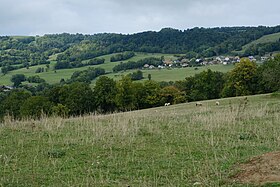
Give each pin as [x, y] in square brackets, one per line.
[242, 80]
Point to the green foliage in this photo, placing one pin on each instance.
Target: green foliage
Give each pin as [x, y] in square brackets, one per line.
[276, 94]
[60, 110]
[87, 75]
[40, 70]
[77, 97]
[35, 107]
[13, 102]
[242, 80]
[205, 85]
[35, 79]
[171, 94]
[151, 94]
[105, 91]
[269, 74]
[72, 50]
[56, 153]
[267, 43]
[96, 61]
[17, 79]
[262, 48]
[68, 64]
[138, 75]
[125, 94]
[139, 95]
[2, 99]
[5, 69]
[138, 64]
[123, 56]
[54, 93]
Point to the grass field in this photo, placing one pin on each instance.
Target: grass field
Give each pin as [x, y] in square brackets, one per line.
[178, 145]
[160, 75]
[265, 39]
[174, 74]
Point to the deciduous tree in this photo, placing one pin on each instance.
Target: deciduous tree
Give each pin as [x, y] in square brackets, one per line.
[105, 91]
[242, 80]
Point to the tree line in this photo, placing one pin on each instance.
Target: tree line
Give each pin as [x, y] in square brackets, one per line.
[262, 48]
[108, 95]
[123, 56]
[66, 64]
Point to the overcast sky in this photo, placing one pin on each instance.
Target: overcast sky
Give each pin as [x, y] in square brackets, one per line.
[32, 17]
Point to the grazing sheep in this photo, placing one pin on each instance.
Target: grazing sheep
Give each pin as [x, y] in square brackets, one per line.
[198, 104]
[217, 103]
[166, 104]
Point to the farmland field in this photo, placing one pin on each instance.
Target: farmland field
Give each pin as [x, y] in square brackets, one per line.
[178, 145]
[174, 74]
[52, 76]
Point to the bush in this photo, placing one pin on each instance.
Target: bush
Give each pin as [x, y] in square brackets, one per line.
[35, 79]
[60, 110]
[123, 56]
[138, 75]
[96, 61]
[17, 79]
[276, 94]
[35, 106]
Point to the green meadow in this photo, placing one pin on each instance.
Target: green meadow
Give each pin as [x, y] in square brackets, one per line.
[178, 145]
[173, 74]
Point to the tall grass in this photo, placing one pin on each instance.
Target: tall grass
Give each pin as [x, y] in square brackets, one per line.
[179, 145]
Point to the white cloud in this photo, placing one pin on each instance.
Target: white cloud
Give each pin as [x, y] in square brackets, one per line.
[29, 17]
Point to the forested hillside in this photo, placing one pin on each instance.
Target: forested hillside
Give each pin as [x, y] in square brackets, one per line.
[71, 49]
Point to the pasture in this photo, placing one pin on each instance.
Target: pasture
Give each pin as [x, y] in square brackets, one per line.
[54, 77]
[177, 145]
[174, 74]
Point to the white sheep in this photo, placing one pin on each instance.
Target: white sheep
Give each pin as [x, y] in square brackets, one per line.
[198, 104]
[166, 104]
[217, 103]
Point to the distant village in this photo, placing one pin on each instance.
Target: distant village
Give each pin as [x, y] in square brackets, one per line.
[183, 62]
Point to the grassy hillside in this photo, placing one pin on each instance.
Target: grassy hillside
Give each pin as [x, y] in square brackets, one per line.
[54, 77]
[265, 39]
[179, 145]
[174, 74]
[163, 75]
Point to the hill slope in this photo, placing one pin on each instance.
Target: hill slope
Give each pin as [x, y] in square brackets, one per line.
[54, 76]
[265, 39]
[179, 145]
